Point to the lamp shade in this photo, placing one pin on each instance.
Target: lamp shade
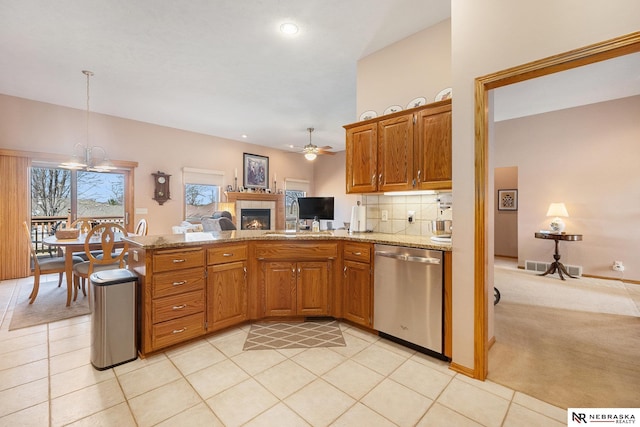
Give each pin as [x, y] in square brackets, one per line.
[557, 210]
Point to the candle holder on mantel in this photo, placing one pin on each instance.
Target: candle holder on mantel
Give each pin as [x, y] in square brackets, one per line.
[275, 187]
[235, 188]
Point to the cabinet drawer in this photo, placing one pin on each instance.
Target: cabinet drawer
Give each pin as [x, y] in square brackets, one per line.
[175, 306]
[177, 282]
[176, 331]
[360, 252]
[177, 259]
[297, 251]
[227, 253]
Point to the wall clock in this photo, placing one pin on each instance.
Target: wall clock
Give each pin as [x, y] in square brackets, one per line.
[161, 192]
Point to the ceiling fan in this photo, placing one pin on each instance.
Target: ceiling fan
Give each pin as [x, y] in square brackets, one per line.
[311, 151]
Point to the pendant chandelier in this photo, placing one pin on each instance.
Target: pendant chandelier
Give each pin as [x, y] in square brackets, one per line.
[84, 155]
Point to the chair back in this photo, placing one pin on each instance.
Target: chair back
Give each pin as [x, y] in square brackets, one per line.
[141, 227]
[83, 224]
[32, 251]
[108, 234]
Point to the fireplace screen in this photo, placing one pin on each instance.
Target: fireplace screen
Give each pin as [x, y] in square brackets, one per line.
[255, 219]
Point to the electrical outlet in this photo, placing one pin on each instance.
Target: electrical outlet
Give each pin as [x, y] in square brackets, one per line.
[617, 266]
[385, 215]
[411, 215]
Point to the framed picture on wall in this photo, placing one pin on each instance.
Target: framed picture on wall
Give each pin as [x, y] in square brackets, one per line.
[507, 200]
[256, 171]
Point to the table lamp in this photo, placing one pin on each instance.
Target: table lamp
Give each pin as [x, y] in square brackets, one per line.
[557, 210]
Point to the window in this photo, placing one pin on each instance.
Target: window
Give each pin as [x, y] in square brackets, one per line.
[57, 192]
[58, 195]
[294, 188]
[202, 190]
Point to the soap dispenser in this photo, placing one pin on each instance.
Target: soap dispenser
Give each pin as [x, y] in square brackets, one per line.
[315, 226]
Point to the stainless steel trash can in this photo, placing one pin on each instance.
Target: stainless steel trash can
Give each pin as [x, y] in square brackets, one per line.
[113, 318]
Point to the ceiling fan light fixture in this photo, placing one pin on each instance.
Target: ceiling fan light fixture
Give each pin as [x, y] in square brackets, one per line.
[310, 156]
[289, 28]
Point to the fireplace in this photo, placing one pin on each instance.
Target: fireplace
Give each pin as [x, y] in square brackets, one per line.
[255, 219]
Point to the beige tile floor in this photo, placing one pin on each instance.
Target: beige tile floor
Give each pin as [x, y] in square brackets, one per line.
[46, 379]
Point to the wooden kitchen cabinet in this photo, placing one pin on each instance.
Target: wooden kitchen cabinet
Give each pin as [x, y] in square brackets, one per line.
[227, 292]
[174, 308]
[395, 153]
[295, 278]
[407, 150]
[357, 284]
[433, 152]
[296, 288]
[362, 158]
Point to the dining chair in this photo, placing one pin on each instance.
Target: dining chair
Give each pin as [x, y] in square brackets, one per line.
[105, 234]
[84, 225]
[44, 265]
[141, 228]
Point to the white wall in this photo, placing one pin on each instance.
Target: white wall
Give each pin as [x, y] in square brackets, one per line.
[491, 36]
[418, 66]
[505, 236]
[40, 127]
[586, 157]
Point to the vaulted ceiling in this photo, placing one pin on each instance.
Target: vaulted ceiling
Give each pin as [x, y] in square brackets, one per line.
[217, 67]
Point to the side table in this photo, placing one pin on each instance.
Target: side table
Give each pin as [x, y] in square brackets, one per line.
[557, 265]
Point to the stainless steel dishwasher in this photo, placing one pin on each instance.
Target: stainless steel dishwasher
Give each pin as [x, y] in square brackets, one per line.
[408, 296]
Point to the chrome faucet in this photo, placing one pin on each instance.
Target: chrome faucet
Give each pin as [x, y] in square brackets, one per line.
[297, 226]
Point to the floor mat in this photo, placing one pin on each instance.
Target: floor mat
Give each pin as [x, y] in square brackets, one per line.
[280, 335]
[49, 306]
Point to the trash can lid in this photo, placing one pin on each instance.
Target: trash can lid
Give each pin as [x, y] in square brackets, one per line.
[113, 277]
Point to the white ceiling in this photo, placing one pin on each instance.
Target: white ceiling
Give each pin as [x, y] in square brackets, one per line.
[217, 67]
[602, 81]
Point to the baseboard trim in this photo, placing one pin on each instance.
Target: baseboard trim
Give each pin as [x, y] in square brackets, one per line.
[461, 369]
[491, 342]
[632, 282]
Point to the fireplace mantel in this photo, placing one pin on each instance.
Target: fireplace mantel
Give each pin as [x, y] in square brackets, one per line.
[234, 197]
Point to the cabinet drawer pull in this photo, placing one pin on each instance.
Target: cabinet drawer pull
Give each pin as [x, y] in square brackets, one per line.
[182, 282]
[357, 253]
[179, 307]
[179, 331]
[227, 255]
[177, 261]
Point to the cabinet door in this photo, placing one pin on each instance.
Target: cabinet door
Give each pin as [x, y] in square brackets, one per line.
[279, 279]
[395, 153]
[357, 293]
[362, 158]
[434, 148]
[313, 288]
[226, 295]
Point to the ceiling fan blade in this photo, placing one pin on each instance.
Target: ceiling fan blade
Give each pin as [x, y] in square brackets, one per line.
[321, 151]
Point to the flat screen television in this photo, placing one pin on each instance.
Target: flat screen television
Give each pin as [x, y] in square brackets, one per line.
[311, 207]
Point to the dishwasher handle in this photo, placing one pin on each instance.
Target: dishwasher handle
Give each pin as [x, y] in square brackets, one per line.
[409, 258]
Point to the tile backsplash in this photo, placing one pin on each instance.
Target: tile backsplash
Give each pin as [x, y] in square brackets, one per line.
[425, 206]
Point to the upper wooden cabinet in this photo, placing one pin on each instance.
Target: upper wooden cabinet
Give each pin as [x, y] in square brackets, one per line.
[408, 150]
[362, 158]
[432, 160]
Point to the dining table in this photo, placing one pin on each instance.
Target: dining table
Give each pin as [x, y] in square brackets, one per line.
[70, 246]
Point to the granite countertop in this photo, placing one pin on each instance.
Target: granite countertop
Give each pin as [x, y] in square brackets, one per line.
[199, 238]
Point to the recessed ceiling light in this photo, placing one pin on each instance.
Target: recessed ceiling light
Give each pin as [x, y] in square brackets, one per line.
[288, 28]
[243, 135]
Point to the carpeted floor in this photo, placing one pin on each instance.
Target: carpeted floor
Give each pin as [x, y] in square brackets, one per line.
[565, 346]
[280, 335]
[49, 306]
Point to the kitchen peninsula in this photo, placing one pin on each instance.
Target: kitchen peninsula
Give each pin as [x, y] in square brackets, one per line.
[194, 284]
